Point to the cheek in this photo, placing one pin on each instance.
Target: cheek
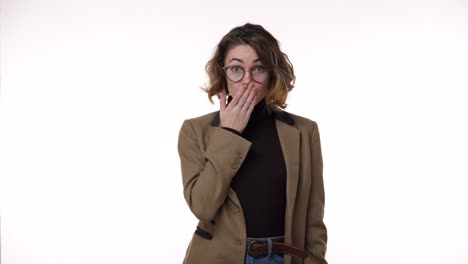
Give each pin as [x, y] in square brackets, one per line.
[231, 88]
[263, 89]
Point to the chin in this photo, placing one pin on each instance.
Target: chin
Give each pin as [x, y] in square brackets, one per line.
[260, 99]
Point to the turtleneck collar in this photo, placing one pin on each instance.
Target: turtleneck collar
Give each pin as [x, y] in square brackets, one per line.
[260, 111]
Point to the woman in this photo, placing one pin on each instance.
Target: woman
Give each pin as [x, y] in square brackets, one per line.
[252, 173]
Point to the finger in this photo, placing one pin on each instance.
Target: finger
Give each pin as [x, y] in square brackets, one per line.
[249, 100]
[245, 95]
[237, 96]
[222, 102]
[251, 106]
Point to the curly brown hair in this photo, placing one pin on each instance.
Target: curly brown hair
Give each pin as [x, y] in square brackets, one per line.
[267, 48]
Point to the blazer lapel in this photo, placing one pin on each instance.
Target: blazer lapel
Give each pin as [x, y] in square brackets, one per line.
[289, 138]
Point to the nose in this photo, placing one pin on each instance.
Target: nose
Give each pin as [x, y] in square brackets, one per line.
[247, 79]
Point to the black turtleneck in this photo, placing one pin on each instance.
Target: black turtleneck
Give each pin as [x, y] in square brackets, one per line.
[260, 183]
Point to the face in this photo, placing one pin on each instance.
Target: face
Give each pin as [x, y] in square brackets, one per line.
[245, 57]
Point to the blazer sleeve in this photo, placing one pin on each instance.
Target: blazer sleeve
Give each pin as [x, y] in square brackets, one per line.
[316, 237]
[207, 173]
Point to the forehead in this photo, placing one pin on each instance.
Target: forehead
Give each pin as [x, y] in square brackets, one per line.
[244, 53]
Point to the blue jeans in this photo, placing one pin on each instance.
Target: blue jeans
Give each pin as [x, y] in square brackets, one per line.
[270, 257]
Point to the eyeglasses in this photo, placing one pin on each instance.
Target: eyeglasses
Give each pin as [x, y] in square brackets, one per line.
[236, 73]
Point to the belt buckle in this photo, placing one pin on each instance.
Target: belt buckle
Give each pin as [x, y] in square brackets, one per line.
[249, 251]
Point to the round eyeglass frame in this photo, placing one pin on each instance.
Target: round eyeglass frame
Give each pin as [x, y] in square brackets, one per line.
[243, 72]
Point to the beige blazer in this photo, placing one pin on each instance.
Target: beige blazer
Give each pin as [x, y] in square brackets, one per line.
[210, 157]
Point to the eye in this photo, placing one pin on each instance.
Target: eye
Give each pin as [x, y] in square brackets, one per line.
[235, 68]
[259, 68]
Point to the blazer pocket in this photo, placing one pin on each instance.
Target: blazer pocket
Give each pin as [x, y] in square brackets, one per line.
[203, 233]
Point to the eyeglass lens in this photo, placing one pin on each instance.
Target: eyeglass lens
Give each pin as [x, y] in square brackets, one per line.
[236, 74]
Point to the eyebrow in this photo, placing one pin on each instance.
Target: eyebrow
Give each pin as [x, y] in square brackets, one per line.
[236, 59]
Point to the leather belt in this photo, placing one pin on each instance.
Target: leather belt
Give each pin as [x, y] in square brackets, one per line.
[258, 248]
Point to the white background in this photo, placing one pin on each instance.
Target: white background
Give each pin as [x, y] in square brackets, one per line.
[93, 94]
